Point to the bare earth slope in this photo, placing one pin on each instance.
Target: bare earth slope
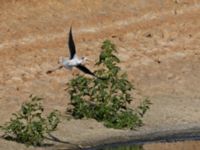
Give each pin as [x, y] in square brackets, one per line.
[157, 41]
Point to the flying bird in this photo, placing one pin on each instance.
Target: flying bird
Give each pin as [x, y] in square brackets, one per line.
[73, 60]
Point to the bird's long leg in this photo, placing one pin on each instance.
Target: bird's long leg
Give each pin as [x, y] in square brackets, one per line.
[52, 70]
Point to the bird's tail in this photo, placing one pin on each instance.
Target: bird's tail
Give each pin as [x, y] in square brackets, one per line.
[53, 70]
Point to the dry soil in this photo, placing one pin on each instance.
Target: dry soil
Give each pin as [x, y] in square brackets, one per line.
[158, 42]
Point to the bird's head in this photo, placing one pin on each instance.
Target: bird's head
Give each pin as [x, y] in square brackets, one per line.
[84, 60]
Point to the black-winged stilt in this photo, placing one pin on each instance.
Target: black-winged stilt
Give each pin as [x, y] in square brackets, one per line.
[73, 60]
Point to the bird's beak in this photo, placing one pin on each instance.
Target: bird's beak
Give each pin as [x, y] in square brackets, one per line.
[87, 59]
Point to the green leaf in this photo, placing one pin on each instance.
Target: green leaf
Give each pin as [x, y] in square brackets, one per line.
[28, 126]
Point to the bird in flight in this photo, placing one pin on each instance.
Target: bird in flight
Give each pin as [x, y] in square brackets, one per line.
[73, 60]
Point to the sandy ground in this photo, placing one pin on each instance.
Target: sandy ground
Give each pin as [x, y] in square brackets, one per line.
[157, 41]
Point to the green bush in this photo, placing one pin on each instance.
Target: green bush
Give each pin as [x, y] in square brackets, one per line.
[28, 125]
[106, 98]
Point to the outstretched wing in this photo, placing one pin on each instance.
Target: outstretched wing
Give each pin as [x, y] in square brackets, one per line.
[71, 45]
[85, 70]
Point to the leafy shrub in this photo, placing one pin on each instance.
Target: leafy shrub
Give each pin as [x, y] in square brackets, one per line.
[106, 98]
[28, 125]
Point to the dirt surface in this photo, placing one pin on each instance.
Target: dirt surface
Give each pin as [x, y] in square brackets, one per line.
[157, 41]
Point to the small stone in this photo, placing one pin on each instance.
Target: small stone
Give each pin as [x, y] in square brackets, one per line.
[16, 79]
[148, 35]
[170, 76]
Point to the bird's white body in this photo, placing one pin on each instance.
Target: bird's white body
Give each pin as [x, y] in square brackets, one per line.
[70, 63]
[73, 60]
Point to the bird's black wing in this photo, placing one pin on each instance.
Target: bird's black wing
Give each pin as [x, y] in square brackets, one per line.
[85, 70]
[71, 44]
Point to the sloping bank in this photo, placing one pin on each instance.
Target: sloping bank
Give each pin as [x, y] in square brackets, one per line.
[92, 135]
